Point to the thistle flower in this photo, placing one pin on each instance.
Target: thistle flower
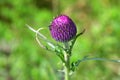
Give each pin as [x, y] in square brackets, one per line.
[63, 28]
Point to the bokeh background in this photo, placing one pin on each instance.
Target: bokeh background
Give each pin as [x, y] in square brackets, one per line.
[21, 58]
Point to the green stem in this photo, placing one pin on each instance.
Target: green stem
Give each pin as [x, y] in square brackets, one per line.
[67, 62]
[67, 66]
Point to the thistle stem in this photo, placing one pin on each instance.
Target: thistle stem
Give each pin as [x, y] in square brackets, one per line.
[67, 62]
[66, 67]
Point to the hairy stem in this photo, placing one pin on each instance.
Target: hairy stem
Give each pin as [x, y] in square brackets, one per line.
[67, 66]
[67, 62]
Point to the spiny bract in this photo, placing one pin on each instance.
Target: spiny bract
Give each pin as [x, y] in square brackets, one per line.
[63, 28]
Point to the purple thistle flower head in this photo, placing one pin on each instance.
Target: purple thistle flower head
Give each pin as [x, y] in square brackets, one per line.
[63, 28]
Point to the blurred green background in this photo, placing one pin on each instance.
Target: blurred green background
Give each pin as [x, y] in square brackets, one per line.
[21, 58]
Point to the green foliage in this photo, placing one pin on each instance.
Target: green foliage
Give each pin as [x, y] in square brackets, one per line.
[21, 58]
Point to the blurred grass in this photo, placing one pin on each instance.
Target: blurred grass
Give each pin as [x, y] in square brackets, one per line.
[21, 58]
